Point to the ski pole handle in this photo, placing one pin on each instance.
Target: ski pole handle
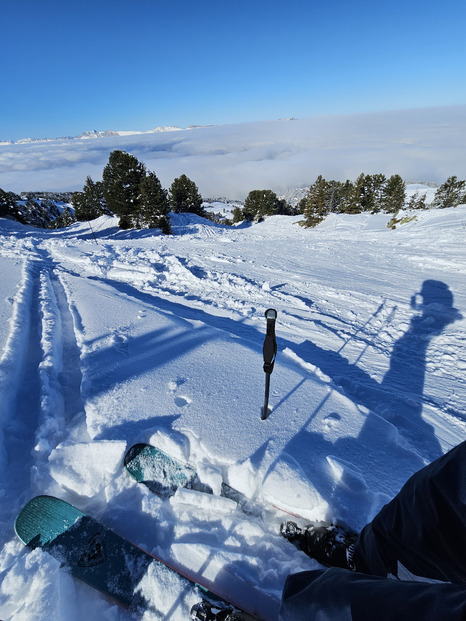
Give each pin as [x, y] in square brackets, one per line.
[269, 348]
[269, 351]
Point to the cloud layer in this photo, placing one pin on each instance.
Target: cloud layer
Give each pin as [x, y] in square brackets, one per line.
[230, 160]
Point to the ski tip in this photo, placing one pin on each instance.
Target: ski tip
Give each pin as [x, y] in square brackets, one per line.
[43, 518]
[134, 451]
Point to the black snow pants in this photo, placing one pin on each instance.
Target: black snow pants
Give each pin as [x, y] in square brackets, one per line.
[423, 529]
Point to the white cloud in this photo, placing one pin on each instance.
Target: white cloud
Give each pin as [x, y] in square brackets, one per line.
[230, 160]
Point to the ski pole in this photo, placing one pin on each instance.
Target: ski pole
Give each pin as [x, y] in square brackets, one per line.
[269, 350]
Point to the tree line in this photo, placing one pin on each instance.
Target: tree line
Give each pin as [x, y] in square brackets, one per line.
[136, 195]
[368, 193]
[43, 213]
[373, 194]
[127, 190]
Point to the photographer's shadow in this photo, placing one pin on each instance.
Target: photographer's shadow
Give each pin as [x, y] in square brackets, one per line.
[399, 397]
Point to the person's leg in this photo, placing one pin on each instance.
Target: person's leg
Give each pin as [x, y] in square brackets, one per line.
[343, 595]
[423, 527]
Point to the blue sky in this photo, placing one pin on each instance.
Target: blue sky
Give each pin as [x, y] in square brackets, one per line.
[67, 67]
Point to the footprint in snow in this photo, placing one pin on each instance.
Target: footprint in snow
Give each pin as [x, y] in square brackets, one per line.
[331, 421]
[175, 384]
[182, 402]
[120, 342]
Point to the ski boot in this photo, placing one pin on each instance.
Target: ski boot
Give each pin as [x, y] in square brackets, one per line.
[205, 611]
[326, 543]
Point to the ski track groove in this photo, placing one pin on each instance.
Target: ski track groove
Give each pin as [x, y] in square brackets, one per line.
[20, 433]
[41, 366]
[71, 376]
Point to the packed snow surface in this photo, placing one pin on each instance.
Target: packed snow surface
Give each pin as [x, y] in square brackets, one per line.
[138, 337]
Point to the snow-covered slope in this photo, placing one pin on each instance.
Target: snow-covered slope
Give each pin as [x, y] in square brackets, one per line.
[143, 337]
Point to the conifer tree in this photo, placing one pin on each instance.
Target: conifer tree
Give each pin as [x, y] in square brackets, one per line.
[334, 196]
[121, 180]
[378, 184]
[316, 207]
[450, 194]
[154, 204]
[346, 199]
[365, 193]
[417, 201]
[66, 218]
[394, 194]
[8, 205]
[90, 203]
[185, 196]
[358, 201]
[260, 203]
[237, 215]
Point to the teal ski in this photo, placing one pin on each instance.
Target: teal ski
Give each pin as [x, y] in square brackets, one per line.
[161, 473]
[106, 561]
[164, 474]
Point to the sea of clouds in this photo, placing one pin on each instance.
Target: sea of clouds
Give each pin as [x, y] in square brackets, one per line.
[230, 160]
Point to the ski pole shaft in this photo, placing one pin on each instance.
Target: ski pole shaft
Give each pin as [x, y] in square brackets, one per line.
[266, 399]
[269, 351]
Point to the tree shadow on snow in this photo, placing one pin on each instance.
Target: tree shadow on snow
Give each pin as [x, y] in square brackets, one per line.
[137, 430]
[113, 365]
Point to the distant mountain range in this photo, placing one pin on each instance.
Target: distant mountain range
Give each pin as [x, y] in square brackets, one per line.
[102, 134]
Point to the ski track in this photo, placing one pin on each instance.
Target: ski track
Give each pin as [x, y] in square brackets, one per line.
[41, 380]
[23, 393]
[104, 347]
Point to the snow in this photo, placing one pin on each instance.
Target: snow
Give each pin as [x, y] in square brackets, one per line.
[140, 337]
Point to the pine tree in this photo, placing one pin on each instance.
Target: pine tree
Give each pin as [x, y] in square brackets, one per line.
[346, 198]
[417, 201]
[334, 196]
[366, 190]
[237, 215]
[378, 184]
[261, 203]
[154, 204]
[185, 196]
[302, 205]
[359, 194]
[121, 180]
[394, 195]
[356, 202]
[450, 194]
[66, 218]
[90, 203]
[316, 207]
[77, 202]
[9, 207]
